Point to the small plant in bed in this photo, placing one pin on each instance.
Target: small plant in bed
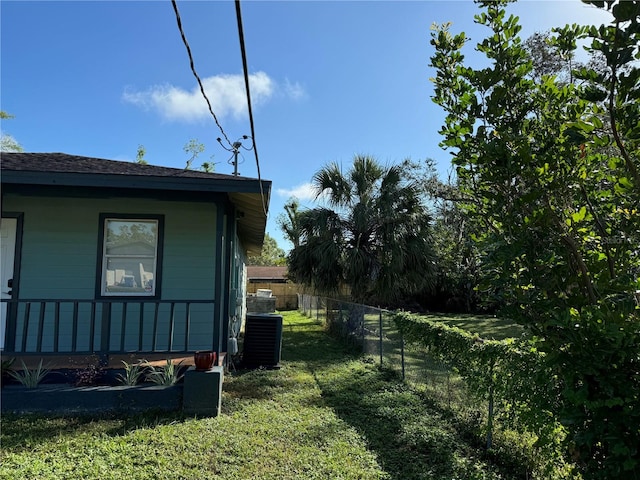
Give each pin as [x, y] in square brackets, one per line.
[30, 378]
[133, 373]
[5, 369]
[89, 376]
[166, 375]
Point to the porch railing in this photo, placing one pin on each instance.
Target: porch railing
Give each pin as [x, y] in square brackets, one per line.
[60, 326]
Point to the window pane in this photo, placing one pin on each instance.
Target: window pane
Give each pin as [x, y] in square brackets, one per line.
[130, 275]
[129, 262]
[131, 237]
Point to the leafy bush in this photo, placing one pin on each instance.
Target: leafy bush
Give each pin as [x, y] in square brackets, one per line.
[510, 374]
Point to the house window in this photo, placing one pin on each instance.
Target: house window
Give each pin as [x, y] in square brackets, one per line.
[130, 249]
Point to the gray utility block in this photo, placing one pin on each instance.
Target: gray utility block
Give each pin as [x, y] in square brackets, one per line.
[202, 393]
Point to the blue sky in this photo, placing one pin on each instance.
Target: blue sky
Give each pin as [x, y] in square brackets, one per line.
[329, 80]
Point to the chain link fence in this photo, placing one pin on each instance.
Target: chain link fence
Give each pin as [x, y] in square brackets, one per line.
[373, 331]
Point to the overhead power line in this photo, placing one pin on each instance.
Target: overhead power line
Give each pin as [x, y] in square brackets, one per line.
[193, 69]
[246, 84]
[245, 69]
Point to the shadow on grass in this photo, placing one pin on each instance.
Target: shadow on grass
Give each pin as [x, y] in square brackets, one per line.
[255, 384]
[24, 431]
[304, 345]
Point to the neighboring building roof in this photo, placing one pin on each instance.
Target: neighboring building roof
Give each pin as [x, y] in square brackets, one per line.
[256, 273]
[249, 195]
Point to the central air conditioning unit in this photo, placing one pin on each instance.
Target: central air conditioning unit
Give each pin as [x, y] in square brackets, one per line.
[262, 341]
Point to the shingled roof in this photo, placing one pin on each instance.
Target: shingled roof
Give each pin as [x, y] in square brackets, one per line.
[249, 195]
[65, 163]
[259, 273]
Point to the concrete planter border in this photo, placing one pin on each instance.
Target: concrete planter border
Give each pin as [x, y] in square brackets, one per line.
[62, 398]
[199, 394]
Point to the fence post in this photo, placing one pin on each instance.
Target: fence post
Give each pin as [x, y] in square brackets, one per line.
[490, 412]
[402, 354]
[326, 315]
[380, 324]
[363, 326]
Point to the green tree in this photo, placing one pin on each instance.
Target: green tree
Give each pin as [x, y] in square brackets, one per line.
[208, 167]
[457, 256]
[373, 235]
[7, 142]
[545, 58]
[289, 221]
[194, 148]
[550, 168]
[271, 254]
[140, 155]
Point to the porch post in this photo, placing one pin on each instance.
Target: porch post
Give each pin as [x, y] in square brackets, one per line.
[11, 327]
[11, 313]
[219, 287]
[228, 266]
[105, 333]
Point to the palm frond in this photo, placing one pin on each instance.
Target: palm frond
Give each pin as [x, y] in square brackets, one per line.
[331, 183]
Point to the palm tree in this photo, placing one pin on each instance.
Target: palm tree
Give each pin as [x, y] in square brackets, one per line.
[289, 221]
[373, 234]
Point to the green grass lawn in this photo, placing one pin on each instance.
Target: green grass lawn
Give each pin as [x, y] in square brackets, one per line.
[326, 414]
[488, 327]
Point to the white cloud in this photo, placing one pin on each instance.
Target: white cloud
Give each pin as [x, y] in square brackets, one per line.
[302, 192]
[294, 90]
[226, 94]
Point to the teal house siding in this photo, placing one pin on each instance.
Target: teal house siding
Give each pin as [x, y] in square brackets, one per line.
[60, 245]
[61, 261]
[58, 248]
[189, 261]
[198, 226]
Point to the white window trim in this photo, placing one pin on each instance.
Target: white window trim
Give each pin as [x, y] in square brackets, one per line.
[106, 257]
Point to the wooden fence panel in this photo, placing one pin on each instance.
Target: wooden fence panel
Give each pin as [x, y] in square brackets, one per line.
[286, 293]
